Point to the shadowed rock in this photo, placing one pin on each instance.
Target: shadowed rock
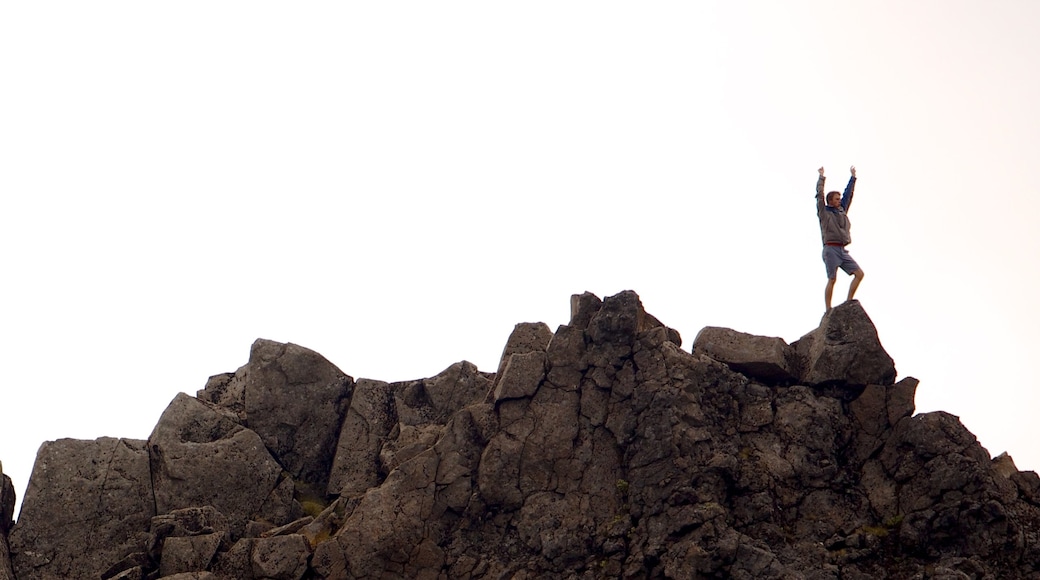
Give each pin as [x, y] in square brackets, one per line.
[761, 357]
[7, 500]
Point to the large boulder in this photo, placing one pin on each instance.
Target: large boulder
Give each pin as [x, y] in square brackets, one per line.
[87, 505]
[202, 456]
[765, 358]
[294, 399]
[844, 350]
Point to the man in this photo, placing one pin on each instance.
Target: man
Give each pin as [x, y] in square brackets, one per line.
[834, 227]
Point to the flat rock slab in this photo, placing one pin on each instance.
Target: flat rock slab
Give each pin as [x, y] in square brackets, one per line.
[760, 357]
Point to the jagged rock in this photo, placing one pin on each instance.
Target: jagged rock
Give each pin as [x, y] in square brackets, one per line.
[1028, 484]
[619, 319]
[388, 423]
[760, 357]
[526, 337]
[433, 401]
[370, 418]
[281, 557]
[87, 505]
[237, 562]
[6, 510]
[877, 409]
[523, 363]
[203, 457]
[605, 450]
[583, 308]
[191, 576]
[7, 501]
[521, 377]
[845, 349]
[294, 399]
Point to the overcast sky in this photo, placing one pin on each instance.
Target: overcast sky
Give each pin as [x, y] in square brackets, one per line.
[396, 184]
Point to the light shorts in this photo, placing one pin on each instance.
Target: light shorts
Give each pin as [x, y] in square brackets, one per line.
[835, 257]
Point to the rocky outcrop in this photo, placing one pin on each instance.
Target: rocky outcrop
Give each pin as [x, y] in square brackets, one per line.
[844, 349]
[294, 400]
[200, 456]
[599, 450]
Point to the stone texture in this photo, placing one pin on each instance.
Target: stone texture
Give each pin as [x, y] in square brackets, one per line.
[7, 501]
[88, 504]
[526, 337]
[521, 377]
[765, 358]
[845, 350]
[603, 450]
[295, 400]
[189, 553]
[202, 457]
[237, 562]
[281, 557]
[370, 418]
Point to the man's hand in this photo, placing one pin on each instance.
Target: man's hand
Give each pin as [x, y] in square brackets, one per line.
[821, 172]
[852, 170]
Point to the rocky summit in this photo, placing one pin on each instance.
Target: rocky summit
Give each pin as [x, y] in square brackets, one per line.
[600, 450]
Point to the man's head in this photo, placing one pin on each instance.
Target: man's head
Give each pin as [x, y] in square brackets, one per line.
[834, 198]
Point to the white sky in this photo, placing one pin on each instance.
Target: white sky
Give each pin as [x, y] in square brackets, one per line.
[396, 184]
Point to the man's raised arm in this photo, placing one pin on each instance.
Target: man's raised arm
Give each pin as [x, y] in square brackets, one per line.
[846, 198]
[820, 201]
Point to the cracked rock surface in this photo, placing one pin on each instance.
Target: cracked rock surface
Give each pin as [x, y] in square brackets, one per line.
[600, 450]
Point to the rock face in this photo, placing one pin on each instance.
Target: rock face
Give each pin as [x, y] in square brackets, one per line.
[600, 450]
[845, 350]
[7, 500]
[86, 506]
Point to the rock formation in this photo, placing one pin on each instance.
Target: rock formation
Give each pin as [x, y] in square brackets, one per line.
[7, 501]
[603, 450]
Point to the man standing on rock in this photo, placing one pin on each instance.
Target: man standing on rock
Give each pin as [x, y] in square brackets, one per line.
[834, 227]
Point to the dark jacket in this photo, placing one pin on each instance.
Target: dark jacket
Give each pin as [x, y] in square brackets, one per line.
[834, 221]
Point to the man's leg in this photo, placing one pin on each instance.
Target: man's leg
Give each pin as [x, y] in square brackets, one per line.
[828, 292]
[857, 277]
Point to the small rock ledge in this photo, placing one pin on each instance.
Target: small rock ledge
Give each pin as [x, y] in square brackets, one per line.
[600, 450]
